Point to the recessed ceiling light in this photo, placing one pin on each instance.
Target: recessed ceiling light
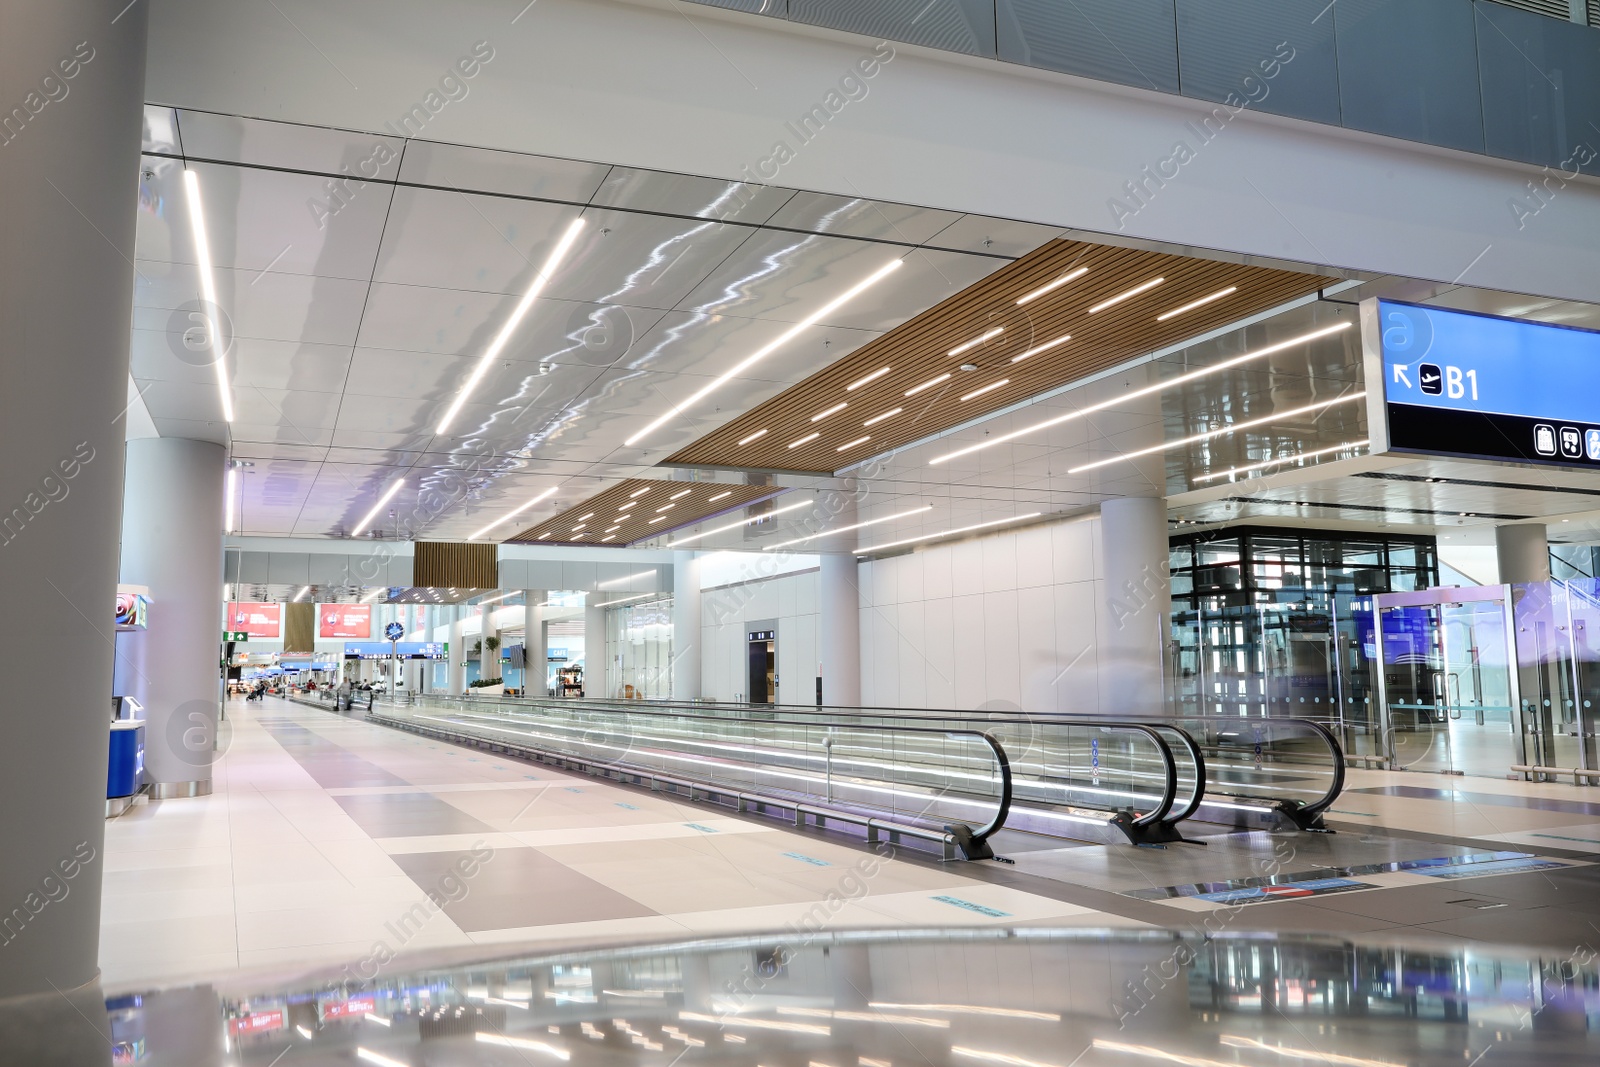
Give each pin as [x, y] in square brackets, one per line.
[510, 515]
[547, 533]
[987, 388]
[1047, 346]
[1181, 379]
[665, 507]
[539, 280]
[680, 492]
[847, 529]
[915, 389]
[586, 518]
[641, 492]
[948, 533]
[658, 518]
[852, 444]
[879, 418]
[819, 416]
[1211, 434]
[618, 526]
[719, 496]
[976, 341]
[629, 504]
[1063, 280]
[578, 527]
[803, 440]
[606, 538]
[752, 437]
[767, 349]
[1120, 297]
[208, 289]
[874, 376]
[1202, 302]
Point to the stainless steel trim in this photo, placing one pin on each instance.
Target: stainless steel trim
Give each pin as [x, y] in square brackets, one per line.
[178, 790]
[117, 805]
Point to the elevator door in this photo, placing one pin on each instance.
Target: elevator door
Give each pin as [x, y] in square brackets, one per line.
[763, 659]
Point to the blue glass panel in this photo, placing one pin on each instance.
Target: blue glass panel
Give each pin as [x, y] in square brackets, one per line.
[1388, 85]
[1541, 88]
[956, 25]
[1134, 42]
[1269, 55]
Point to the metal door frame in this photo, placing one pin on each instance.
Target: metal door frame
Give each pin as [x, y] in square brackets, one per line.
[1427, 598]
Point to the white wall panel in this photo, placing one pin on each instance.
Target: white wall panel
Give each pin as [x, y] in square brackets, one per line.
[725, 612]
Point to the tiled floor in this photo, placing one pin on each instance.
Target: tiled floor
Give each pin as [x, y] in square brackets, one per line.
[328, 837]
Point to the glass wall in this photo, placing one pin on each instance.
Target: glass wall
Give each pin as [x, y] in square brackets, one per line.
[639, 643]
[1278, 622]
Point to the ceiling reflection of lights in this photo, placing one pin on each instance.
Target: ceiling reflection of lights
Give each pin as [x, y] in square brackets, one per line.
[511, 514]
[1233, 1041]
[1202, 302]
[374, 595]
[521, 1044]
[1148, 390]
[948, 533]
[987, 335]
[1053, 286]
[1129, 295]
[998, 1057]
[626, 579]
[1047, 346]
[756, 1024]
[1281, 459]
[368, 1056]
[557, 254]
[388, 494]
[765, 350]
[1210, 435]
[304, 589]
[866, 1017]
[972, 1009]
[380, 1020]
[846, 529]
[208, 290]
[742, 522]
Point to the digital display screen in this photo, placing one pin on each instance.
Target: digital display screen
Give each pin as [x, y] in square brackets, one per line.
[402, 650]
[344, 620]
[1457, 383]
[133, 611]
[257, 620]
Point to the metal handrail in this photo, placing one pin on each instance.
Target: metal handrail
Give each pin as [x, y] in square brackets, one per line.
[973, 842]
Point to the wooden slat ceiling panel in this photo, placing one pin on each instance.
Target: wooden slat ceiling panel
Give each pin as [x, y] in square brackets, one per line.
[640, 508]
[916, 352]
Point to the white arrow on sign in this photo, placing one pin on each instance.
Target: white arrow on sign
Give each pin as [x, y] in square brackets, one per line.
[1400, 375]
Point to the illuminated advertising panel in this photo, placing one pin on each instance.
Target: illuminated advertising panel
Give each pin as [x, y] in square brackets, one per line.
[1457, 383]
[344, 620]
[257, 620]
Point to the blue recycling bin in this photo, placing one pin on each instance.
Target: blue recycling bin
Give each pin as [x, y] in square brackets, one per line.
[126, 767]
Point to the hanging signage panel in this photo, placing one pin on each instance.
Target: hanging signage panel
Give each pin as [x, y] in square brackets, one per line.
[344, 620]
[1457, 383]
[257, 620]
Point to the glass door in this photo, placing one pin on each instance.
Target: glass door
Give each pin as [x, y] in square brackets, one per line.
[1476, 688]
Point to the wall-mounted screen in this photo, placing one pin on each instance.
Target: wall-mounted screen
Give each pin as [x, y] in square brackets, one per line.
[402, 650]
[257, 620]
[133, 610]
[344, 620]
[1457, 383]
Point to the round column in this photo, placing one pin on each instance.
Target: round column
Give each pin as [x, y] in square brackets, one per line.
[686, 623]
[66, 297]
[172, 542]
[839, 601]
[594, 647]
[488, 662]
[535, 651]
[1522, 552]
[1137, 590]
[458, 655]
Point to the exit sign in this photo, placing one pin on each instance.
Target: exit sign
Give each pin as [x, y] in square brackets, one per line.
[235, 636]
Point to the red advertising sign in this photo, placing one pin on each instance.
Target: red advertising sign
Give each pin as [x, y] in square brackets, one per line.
[257, 620]
[348, 1009]
[259, 1023]
[345, 620]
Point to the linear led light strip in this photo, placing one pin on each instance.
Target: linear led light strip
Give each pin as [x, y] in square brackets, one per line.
[947, 533]
[1146, 391]
[557, 254]
[846, 529]
[1202, 302]
[1282, 459]
[208, 289]
[626, 578]
[971, 1009]
[227, 507]
[976, 341]
[1053, 286]
[622, 600]
[508, 516]
[874, 376]
[767, 349]
[1047, 346]
[1211, 434]
[742, 522]
[366, 520]
[984, 389]
[1120, 297]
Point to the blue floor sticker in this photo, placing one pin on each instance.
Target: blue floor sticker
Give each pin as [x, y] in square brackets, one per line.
[697, 826]
[970, 906]
[808, 859]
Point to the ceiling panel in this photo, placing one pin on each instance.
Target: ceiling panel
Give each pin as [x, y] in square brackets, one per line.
[858, 217]
[506, 173]
[288, 145]
[689, 196]
[636, 509]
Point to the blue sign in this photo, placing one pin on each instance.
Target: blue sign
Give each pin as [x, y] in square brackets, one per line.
[1461, 383]
[402, 649]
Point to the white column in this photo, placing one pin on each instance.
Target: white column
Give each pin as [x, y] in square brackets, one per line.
[1523, 552]
[1134, 568]
[594, 648]
[172, 542]
[458, 655]
[538, 659]
[839, 600]
[488, 662]
[686, 623]
[66, 302]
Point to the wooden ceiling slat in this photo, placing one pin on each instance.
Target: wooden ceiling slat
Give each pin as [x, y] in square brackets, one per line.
[916, 351]
[694, 502]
